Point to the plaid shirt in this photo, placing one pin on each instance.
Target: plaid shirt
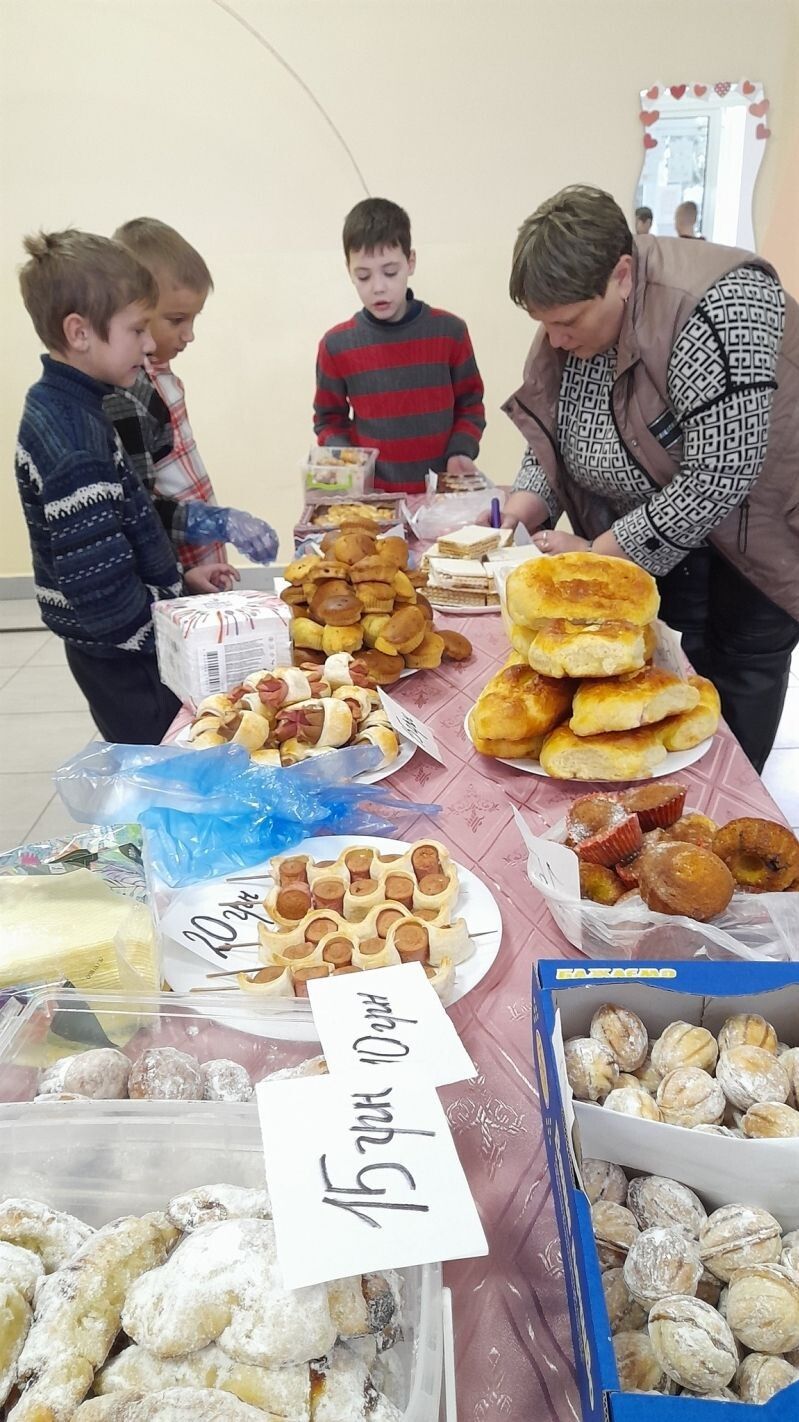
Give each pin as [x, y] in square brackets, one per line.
[181, 474]
[141, 419]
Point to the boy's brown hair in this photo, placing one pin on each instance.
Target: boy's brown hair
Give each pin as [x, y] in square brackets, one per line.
[81, 272]
[375, 223]
[567, 250]
[161, 248]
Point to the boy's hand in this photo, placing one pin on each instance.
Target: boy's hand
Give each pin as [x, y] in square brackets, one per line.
[461, 464]
[211, 577]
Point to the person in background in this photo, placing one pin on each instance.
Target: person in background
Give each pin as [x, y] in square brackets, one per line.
[643, 221]
[660, 406]
[685, 215]
[399, 376]
[151, 416]
[101, 557]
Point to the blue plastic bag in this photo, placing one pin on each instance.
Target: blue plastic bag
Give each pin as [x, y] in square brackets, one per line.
[204, 813]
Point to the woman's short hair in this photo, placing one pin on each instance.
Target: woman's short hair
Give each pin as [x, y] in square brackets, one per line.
[567, 250]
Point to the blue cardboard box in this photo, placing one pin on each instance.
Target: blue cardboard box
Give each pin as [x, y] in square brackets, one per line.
[565, 997]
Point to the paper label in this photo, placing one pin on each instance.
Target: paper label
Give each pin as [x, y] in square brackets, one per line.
[668, 652]
[363, 1176]
[406, 724]
[389, 1022]
[522, 538]
[215, 918]
[550, 865]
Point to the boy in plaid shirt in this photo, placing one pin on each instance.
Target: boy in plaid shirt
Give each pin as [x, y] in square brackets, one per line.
[151, 417]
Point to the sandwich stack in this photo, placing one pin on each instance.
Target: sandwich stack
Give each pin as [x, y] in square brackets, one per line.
[580, 692]
[457, 576]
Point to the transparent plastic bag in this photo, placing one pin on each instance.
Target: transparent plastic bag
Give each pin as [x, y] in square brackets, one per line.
[204, 814]
[753, 927]
[444, 512]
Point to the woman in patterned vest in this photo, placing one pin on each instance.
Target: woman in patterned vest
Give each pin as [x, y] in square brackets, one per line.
[660, 407]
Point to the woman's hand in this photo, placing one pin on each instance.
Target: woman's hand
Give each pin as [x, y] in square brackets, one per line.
[520, 507]
[552, 541]
[211, 577]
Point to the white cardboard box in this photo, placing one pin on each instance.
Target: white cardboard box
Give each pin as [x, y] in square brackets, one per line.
[211, 643]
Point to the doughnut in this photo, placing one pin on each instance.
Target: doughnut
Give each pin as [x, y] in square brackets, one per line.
[762, 856]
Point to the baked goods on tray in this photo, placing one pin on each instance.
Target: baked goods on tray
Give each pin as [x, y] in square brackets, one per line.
[181, 1315]
[294, 713]
[366, 909]
[679, 863]
[587, 622]
[458, 574]
[359, 596]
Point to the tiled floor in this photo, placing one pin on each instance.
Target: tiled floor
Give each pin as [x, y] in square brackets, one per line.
[44, 719]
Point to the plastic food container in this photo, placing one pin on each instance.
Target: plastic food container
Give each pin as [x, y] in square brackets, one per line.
[98, 1161]
[322, 513]
[51, 1022]
[339, 469]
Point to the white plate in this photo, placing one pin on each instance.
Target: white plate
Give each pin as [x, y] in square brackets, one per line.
[675, 762]
[187, 963]
[407, 751]
[460, 610]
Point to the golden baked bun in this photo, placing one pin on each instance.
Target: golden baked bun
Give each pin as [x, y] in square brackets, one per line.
[520, 639]
[518, 704]
[638, 699]
[572, 649]
[352, 547]
[685, 731]
[581, 587]
[429, 651]
[382, 668]
[306, 633]
[342, 639]
[685, 879]
[403, 632]
[529, 749]
[616, 755]
[395, 549]
[372, 625]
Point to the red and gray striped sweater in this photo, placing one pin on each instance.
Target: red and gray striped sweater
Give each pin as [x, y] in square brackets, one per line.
[409, 388]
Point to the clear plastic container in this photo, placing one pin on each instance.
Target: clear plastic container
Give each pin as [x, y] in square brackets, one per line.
[37, 1028]
[99, 1161]
[336, 469]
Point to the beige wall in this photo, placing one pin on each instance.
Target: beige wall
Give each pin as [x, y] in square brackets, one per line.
[466, 111]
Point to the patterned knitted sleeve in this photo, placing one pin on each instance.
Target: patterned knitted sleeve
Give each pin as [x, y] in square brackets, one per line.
[96, 525]
[721, 383]
[331, 408]
[531, 479]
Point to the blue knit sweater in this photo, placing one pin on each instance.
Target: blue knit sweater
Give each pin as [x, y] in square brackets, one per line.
[100, 554]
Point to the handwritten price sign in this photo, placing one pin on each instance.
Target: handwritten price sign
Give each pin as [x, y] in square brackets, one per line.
[549, 865]
[410, 726]
[391, 1023]
[363, 1177]
[212, 919]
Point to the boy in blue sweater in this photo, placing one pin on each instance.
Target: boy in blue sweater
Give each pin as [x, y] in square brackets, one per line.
[101, 556]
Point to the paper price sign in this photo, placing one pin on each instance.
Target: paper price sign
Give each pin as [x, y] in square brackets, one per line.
[362, 1176]
[216, 918]
[552, 865]
[410, 726]
[389, 1026]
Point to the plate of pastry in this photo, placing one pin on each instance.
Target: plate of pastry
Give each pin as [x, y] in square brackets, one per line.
[292, 714]
[595, 688]
[459, 577]
[360, 595]
[334, 904]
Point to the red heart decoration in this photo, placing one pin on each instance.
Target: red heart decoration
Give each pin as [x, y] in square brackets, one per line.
[677, 90]
[760, 132]
[653, 92]
[650, 142]
[700, 90]
[648, 117]
[723, 88]
[759, 110]
[747, 88]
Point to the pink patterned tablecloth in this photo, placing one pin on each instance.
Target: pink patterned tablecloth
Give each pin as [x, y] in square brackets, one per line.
[513, 1346]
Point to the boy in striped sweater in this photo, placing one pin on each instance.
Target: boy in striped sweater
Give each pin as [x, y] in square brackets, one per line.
[101, 556]
[400, 376]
